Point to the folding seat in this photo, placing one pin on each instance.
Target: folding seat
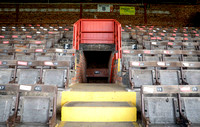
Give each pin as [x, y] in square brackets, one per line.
[20, 45]
[160, 106]
[192, 76]
[6, 75]
[127, 58]
[57, 77]
[37, 106]
[141, 77]
[6, 57]
[191, 108]
[28, 76]
[24, 57]
[151, 58]
[191, 58]
[189, 47]
[160, 110]
[33, 46]
[128, 42]
[44, 58]
[69, 35]
[8, 101]
[172, 58]
[66, 58]
[3, 46]
[49, 43]
[125, 36]
[169, 77]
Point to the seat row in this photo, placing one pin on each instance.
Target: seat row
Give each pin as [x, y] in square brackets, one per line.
[172, 106]
[55, 73]
[158, 55]
[163, 73]
[159, 28]
[26, 105]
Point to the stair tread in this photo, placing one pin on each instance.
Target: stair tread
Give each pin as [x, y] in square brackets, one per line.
[97, 87]
[98, 104]
[98, 124]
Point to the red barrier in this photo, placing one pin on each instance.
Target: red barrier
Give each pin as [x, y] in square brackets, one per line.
[97, 31]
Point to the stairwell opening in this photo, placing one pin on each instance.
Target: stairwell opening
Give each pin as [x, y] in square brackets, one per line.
[98, 65]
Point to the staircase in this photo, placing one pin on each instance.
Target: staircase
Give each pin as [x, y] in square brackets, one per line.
[108, 105]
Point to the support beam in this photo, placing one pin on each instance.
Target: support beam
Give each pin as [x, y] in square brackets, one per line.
[81, 11]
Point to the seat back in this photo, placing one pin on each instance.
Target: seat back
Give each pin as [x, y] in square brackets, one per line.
[192, 76]
[55, 77]
[6, 75]
[8, 103]
[141, 77]
[160, 110]
[160, 105]
[169, 77]
[28, 76]
[189, 103]
[37, 104]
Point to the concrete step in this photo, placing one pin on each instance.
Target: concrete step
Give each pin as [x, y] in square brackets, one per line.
[99, 112]
[98, 124]
[102, 96]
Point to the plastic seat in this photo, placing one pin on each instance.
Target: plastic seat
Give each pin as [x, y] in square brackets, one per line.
[55, 77]
[141, 77]
[160, 110]
[169, 77]
[192, 76]
[28, 76]
[6, 75]
[191, 108]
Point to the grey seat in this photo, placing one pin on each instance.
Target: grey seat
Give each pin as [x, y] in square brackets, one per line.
[8, 101]
[141, 77]
[55, 77]
[25, 57]
[125, 35]
[127, 58]
[34, 109]
[191, 59]
[169, 77]
[7, 106]
[28, 76]
[36, 106]
[66, 58]
[171, 59]
[6, 57]
[160, 110]
[151, 58]
[191, 108]
[43, 58]
[192, 77]
[6, 75]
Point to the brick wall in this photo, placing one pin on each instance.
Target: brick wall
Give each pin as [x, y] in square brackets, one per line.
[163, 15]
[80, 73]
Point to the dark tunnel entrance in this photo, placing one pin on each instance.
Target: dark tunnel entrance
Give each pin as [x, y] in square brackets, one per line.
[98, 65]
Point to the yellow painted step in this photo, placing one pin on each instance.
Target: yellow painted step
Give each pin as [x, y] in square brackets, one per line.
[116, 96]
[99, 112]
